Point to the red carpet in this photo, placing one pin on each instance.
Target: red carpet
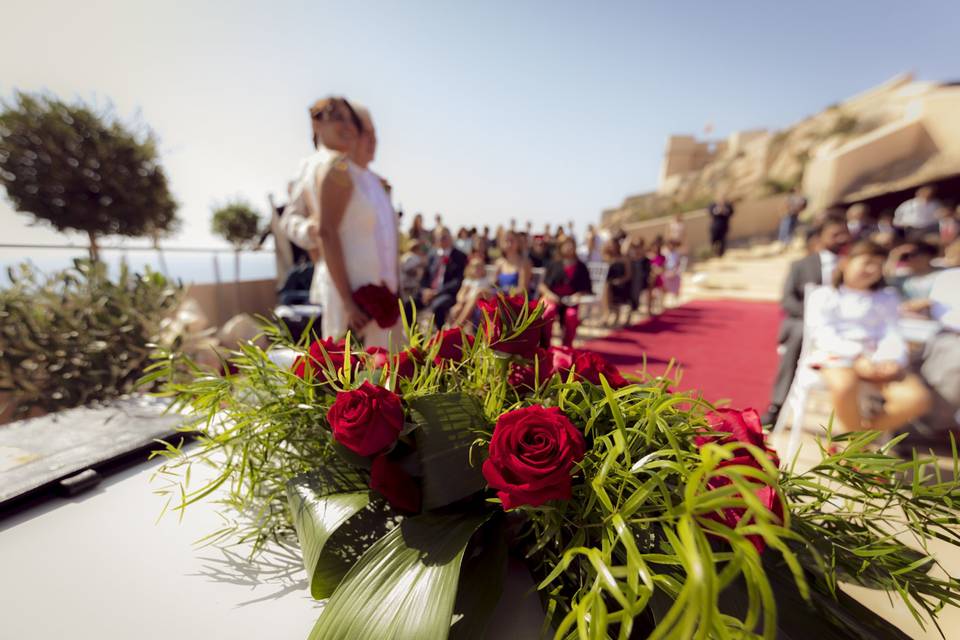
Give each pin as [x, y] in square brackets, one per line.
[726, 349]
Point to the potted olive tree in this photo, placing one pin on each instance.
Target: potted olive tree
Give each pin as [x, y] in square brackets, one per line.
[77, 168]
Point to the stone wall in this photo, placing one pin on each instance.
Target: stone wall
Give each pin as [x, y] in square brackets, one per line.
[220, 302]
[753, 218]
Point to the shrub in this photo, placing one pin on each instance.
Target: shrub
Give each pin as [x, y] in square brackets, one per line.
[773, 186]
[77, 336]
[844, 125]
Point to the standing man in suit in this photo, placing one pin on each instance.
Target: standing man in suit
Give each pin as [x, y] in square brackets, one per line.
[816, 268]
[720, 213]
[442, 277]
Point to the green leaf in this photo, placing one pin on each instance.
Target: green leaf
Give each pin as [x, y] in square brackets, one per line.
[481, 584]
[321, 503]
[448, 423]
[405, 585]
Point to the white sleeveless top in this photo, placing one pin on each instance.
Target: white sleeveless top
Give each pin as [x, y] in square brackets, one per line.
[366, 263]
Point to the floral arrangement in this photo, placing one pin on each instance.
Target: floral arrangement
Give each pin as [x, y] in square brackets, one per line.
[410, 476]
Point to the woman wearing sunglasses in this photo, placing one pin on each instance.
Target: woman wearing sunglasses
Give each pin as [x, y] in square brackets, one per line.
[355, 224]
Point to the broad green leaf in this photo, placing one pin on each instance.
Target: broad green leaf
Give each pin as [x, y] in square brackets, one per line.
[321, 503]
[481, 578]
[448, 423]
[404, 586]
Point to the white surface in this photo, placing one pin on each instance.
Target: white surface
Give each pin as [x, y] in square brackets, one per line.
[100, 566]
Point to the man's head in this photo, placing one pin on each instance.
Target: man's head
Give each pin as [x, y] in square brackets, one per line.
[833, 236]
[917, 256]
[366, 148]
[442, 238]
[335, 123]
[925, 193]
[857, 213]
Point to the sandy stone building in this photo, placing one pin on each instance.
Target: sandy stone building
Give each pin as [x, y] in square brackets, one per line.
[876, 146]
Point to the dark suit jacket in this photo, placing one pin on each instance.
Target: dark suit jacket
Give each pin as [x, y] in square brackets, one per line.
[804, 271]
[556, 275]
[452, 277]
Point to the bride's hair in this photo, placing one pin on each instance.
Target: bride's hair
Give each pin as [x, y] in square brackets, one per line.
[327, 108]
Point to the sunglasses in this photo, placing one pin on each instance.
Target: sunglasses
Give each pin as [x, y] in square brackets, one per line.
[330, 113]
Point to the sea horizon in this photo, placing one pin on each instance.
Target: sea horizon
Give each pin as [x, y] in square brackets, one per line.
[184, 265]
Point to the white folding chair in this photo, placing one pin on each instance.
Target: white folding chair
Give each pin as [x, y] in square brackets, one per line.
[536, 277]
[598, 279]
[805, 380]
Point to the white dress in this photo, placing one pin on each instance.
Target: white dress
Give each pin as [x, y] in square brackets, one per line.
[370, 254]
[846, 324]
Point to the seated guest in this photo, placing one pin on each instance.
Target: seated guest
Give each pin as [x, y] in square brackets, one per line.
[640, 266]
[855, 339]
[858, 222]
[475, 287]
[619, 282]
[513, 268]
[885, 223]
[412, 264]
[940, 363]
[540, 254]
[949, 226]
[918, 213]
[672, 271]
[909, 269]
[417, 232]
[442, 277]
[590, 250]
[464, 242]
[657, 263]
[566, 277]
[824, 245]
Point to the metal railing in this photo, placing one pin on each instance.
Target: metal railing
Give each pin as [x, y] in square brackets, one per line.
[192, 271]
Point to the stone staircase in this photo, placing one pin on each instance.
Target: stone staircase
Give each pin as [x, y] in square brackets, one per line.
[753, 272]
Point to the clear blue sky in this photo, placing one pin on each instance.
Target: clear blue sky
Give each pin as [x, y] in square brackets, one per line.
[543, 110]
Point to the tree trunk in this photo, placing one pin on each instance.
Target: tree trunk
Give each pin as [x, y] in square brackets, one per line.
[236, 284]
[160, 257]
[94, 248]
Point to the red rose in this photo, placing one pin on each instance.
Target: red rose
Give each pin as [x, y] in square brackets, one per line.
[731, 516]
[531, 454]
[741, 426]
[378, 356]
[503, 315]
[525, 375]
[366, 420]
[316, 362]
[451, 345]
[406, 363]
[378, 302]
[390, 480]
[589, 366]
